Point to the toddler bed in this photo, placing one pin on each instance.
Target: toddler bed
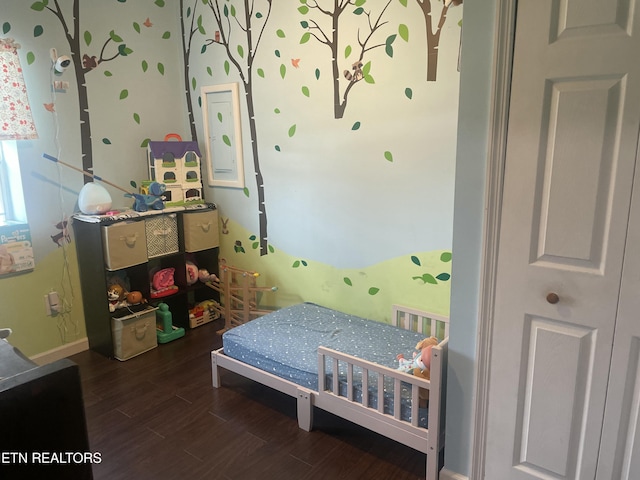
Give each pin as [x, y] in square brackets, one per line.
[347, 365]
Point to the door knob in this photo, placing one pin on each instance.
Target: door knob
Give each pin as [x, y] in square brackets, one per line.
[553, 298]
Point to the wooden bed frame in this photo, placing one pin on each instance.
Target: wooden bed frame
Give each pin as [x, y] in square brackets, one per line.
[429, 441]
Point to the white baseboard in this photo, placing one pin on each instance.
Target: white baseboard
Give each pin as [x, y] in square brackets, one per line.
[449, 475]
[61, 352]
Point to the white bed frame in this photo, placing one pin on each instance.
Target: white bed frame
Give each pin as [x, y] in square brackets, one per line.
[429, 441]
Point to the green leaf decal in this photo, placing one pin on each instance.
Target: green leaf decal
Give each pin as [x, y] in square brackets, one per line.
[166, 35]
[136, 118]
[227, 67]
[271, 249]
[124, 94]
[159, 3]
[107, 73]
[193, 83]
[260, 73]
[359, 11]
[292, 131]
[388, 156]
[38, 6]
[240, 51]
[347, 51]
[161, 68]
[226, 140]
[305, 91]
[145, 65]
[409, 93]
[427, 278]
[87, 37]
[106, 141]
[245, 190]
[116, 38]
[443, 276]
[219, 117]
[373, 290]
[277, 147]
[37, 30]
[277, 53]
[145, 143]
[280, 33]
[283, 70]
[31, 58]
[296, 264]
[347, 280]
[416, 260]
[403, 3]
[304, 24]
[306, 36]
[6, 26]
[403, 31]
[210, 71]
[355, 126]
[136, 27]
[303, 9]
[317, 74]
[445, 257]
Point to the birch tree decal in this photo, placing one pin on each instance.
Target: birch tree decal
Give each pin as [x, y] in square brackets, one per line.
[112, 47]
[246, 28]
[433, 35]
[324, 27]
[195, 25]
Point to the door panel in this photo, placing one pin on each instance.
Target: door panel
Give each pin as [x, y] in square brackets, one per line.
[570, 159]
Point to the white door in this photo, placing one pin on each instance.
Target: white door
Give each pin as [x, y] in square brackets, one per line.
[571, 151]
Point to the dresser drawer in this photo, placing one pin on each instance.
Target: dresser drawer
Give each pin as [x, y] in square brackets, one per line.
[200, 230]
[124, 244]
[162, 235]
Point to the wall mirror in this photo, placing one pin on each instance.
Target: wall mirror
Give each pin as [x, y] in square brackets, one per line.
[223, 132]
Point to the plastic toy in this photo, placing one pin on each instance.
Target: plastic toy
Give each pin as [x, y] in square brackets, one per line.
[165, 330]
[192, 272]
[176, 164]
[116, 296]
[154, 199]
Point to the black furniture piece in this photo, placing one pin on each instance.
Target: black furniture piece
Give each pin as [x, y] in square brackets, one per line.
[43, 431]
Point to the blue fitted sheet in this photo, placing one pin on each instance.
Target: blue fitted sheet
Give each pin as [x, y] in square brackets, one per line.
[285, 344]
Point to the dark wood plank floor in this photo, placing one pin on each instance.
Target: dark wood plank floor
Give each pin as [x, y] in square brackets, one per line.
[156, 416]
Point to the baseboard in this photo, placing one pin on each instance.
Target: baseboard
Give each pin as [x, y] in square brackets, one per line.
[63, 351]
[449, 475]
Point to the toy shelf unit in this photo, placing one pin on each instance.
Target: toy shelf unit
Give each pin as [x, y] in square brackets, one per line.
[146, 254]
[176, 164]
[239, 296]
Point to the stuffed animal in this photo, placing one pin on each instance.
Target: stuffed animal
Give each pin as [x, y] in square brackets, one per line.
[204, 276]
[420, 365]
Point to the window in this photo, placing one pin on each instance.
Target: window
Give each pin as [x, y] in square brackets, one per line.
[12, 208]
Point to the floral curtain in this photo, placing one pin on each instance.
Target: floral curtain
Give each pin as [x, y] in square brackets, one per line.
[16, 122]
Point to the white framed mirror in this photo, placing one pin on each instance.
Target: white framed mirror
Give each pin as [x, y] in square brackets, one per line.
[223, 132]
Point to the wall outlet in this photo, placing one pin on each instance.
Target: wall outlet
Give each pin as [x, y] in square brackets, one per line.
[52, 303]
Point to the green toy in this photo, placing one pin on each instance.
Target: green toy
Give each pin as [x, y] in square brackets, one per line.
[165, 330]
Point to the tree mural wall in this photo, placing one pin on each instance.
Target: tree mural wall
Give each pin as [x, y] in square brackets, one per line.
[327, 31]
[83, 64]
[247, 28]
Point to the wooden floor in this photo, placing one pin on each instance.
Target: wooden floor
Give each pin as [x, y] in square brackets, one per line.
[156, 416]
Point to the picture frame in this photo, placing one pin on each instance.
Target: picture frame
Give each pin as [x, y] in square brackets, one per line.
[223, 133]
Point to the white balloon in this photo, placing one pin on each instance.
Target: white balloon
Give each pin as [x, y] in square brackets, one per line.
[94, 199]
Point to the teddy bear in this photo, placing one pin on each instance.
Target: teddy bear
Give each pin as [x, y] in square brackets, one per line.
[420, 365]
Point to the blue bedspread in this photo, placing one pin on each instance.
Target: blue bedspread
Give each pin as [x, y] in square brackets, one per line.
[285, 344]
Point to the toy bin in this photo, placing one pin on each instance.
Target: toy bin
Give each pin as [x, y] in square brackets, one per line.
[124, 244]
[134, 334]
[200, 230]
[162, 234]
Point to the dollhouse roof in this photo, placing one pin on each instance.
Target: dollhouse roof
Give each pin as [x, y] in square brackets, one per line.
[178, 149]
